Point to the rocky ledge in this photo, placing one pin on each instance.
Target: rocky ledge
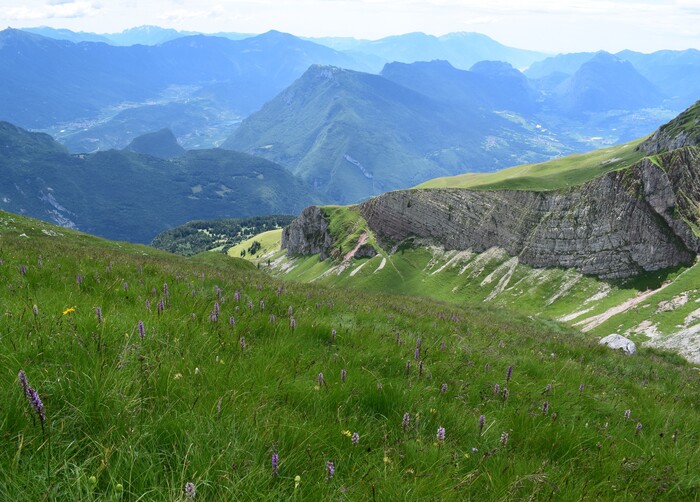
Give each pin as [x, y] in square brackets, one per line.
[618, 225]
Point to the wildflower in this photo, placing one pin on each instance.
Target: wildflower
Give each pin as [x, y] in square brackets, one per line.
[98, 313]
[406, 421]
[355, 438]
[231, 320]
[79, 279]
[297, 481]
[218, 292]
[442, 345]
[23, 270]
[420, 368]
[346, 433]
[289, 311]
[440, 435]
[509, 373]
[482, 422]
[250, 305]
[487, 366]
[237, 296]
[333, 333]
[343, 375]
[545, 408]
[161, 306]
[216, 308]
[142, 330]
[320, 379]
[33, 397]
[272, 318]
[148, 305]
[639, 428]
[505, 393]
[292, 323]
[548, 388]
[416, 354]
[165, 292]
[408, 367]
[213, 317]
[23, 382]
[580, 388]
[262, 305]
[189, 491]
[496, 389]
[418, 343]
[275, 464]
[675, 435]
[627, 414]
[125, 285]
[379, 386]
[504, 439]
[443, 388]
[69, 310]
[35, 309]
[242, 342]
[330, 469]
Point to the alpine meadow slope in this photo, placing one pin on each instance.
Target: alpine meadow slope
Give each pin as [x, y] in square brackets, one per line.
[130, 373]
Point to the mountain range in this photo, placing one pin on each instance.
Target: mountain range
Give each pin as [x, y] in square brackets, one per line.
[132, 196]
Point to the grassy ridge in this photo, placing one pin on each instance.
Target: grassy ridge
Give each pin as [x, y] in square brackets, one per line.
[558, 173]
[132, 418]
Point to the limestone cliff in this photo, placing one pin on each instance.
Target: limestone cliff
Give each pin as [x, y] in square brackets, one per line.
[642, 218]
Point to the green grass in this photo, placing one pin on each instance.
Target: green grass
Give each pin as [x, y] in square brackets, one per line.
[187, 404]
[555, 174]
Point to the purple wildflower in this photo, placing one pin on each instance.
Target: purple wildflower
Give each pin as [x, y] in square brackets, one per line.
[496, 389]
[33, 397]
[262, 305]
[545, 407]
[242, 342]
[418, 343]
[231, 320]
[548, 388]
[165, 292]
[125, 286]
[442, 345]
[161, 306]
[406, 421]
[292, 323]
[505, 394]
[443, 388]
[408, 367]
[289, 311]
[416, 354]
[627, 414]
[440, 435]
[639, 428]
[330, 469]
[35, 310]
[333, 333]
[355, 438]
[509, 373]
[142, 330]
[343, 375]
[98, 313]
[272, 318]
[580, 388]
[237, 296]
[23, 382]
[420, 368]
[79, 279]
[218, 292]
[275, 464]
[482, 422]
[250, 305]
[320, 379]
[216, 308]
[213, 317]
[23, 270]
[189, 491]
[148, 305]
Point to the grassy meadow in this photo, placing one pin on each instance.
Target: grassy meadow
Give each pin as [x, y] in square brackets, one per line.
[155, 371]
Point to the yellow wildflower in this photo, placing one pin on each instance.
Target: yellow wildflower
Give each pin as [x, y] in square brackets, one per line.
[346, 433]
[69, 310]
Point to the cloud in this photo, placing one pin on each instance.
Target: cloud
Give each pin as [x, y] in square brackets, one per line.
[54, 10]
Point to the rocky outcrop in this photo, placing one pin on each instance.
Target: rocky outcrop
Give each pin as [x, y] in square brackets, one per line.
[308, 234]
[619, 342]
[618, 225]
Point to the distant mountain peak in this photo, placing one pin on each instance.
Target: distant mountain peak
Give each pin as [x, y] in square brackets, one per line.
[162, 144]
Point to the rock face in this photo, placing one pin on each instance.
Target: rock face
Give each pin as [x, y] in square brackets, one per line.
[618, 225]
[308, 234]
[619, 342]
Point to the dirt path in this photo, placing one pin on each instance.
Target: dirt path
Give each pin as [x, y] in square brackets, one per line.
[360, 242]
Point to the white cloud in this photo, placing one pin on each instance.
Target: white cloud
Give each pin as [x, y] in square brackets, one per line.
[53, 10]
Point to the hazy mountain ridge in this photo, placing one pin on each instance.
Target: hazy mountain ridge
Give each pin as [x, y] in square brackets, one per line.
[130, 196]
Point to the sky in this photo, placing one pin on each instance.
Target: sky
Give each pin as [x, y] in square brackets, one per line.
[544, 25]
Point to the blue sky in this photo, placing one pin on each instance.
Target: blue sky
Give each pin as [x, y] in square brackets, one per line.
[547, 25]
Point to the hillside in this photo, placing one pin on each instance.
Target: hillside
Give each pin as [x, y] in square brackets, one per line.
[213, 235]
[129, 196]
[607, 241]
[153, 371]
[352, 134]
